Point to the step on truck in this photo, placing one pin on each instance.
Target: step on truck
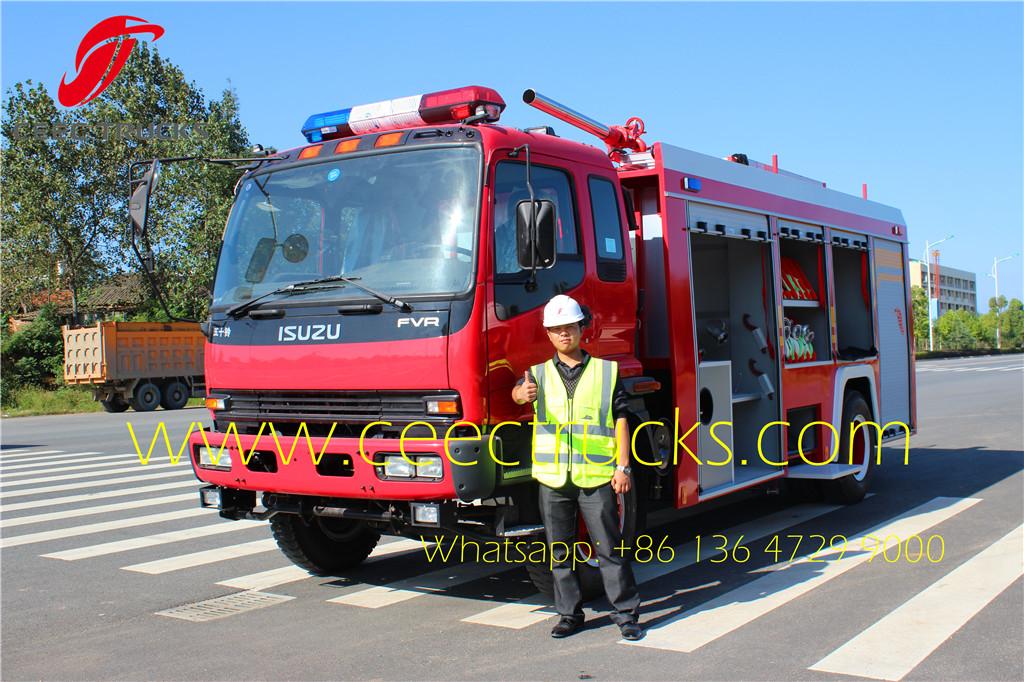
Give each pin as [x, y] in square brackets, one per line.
[379, 291]
[142, 365]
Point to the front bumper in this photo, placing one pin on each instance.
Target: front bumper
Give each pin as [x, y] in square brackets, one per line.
[352, 474]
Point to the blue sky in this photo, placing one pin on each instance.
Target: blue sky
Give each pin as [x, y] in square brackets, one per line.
[921, 101]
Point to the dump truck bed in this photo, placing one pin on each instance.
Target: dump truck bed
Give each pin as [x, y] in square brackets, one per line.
[117, 351]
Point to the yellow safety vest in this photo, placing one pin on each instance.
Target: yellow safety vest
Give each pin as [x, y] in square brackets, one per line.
[575, 438]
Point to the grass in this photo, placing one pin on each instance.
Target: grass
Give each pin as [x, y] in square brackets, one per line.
[27, 401]
[33, 401]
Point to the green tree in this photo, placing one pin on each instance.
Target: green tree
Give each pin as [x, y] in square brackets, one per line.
[35, 355]
[1013, 325]
[66, 199]
[957, 330]
[919, 307]
[53, 212]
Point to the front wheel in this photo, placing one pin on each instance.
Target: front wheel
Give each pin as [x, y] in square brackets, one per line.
[632, 519]
[852, 488]
[323, 546]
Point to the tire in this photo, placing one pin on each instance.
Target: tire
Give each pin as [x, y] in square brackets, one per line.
[116, 404]
[632, 522]
[175, 395]
[852, 488]
[323, 546]
[146, 397]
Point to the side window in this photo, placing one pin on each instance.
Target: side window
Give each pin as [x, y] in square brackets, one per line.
[509, 190]
[511, 295]
[611, 258]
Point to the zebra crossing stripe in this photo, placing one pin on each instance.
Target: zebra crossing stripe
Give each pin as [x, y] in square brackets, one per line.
[5, 483]
[100, 509]
[290, 574]
[785, 582]
[209, 556]
[386, 595]
[89, 497]
[74, 531]
[897, 643]
[41, 466]
[144, 541]
[97, 484]
[14, 455]
[537, 608]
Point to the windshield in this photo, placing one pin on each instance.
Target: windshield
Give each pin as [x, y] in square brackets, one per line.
[403, 223]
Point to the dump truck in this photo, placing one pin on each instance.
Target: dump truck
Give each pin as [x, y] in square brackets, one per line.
[380, 289]
[138, 364]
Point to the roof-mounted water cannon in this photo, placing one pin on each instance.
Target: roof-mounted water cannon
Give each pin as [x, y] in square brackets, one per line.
[618, 138]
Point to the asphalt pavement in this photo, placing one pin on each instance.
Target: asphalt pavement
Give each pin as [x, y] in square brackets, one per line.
[111, 571]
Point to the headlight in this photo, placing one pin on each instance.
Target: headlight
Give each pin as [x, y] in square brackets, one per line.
[429, 466]
[215, 458]
[398, 466]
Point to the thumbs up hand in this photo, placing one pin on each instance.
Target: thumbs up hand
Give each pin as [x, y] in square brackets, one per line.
[527, 391]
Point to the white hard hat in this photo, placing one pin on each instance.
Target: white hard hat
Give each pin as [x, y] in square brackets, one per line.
[562, 309]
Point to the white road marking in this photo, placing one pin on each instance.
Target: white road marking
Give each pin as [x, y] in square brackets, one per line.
[418, 586]
[66, 458]
[785, 582]
[96, 484]
[5, 483]
[15, 455]
[45, 467]
[897, 643]
[101, 509]
[118, 546]
[74, 531]
[106, 494]
[536, 608]
[291, 574]
[208, 556]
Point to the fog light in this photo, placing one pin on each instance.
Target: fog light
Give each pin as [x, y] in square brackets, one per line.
[429, 466]
[426, 514]
[215, 458]
[397, 466]
[210, 497]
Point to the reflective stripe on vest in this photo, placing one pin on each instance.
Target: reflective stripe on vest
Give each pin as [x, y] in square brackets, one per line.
[575, 438]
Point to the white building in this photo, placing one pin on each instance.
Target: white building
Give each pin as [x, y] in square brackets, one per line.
[957, 288]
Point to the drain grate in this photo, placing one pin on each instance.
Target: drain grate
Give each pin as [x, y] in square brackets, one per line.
[223, 607]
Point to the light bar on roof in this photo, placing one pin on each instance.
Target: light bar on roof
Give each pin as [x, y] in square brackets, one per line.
[446, 106]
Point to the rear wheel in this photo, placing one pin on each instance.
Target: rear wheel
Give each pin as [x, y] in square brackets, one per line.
[175, 395]
[115, 404]
[146, 397]
[852, 488]
[323, 546]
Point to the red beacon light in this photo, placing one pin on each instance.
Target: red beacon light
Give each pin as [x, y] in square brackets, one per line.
[446, 106]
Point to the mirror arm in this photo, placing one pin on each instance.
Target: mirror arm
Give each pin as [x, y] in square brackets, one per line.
[531, 282]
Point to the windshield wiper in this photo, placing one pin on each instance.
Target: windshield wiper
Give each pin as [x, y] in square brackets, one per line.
[391, 300]
[314, 284]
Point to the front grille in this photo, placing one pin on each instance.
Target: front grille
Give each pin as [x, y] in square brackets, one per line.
[356, 408]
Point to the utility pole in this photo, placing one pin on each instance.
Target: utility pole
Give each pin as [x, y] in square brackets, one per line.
[994, 274]
[928, 289]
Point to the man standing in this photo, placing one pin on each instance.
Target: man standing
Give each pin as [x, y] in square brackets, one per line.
[581, 459]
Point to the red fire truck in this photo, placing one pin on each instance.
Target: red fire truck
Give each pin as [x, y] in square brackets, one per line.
[380, 289]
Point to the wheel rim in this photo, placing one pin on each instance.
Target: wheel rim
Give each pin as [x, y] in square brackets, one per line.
[338, 530]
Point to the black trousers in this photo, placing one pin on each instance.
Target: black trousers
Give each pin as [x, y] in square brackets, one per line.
[558, 507]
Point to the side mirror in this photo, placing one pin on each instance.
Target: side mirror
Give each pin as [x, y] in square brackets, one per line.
[535, 250]
[260, 260]
[138, 205]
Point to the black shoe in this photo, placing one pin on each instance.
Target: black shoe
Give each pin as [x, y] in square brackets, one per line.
[566, 627]
[631, 631]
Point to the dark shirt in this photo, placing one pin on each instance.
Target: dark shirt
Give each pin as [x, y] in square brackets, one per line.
[571, 377]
